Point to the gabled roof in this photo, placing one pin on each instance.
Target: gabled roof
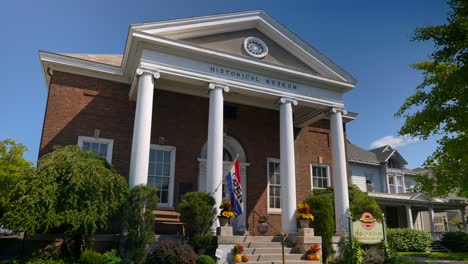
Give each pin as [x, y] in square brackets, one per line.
[360, 155]
[179, 29]
[385, 152]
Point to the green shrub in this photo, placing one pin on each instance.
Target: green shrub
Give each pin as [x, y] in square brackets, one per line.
[361, 202]
[111, 257]
[324, 224]
[373, 255]
[172, 252]
[139, 222]
[204, 259]
[456, 241]
[198, 213]
[91, 257]
[406, 240]
[71, 191]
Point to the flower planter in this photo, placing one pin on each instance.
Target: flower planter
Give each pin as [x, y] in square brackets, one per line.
[223, 221]
[304, 223]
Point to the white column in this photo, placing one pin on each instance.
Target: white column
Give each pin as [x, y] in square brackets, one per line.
[409, 217]
[142, 128]
[340, 179]
[214, 162]
[463, 218]
[287, 167]
[431, 219]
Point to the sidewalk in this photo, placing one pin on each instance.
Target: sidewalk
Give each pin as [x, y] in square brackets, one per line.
[430, 260]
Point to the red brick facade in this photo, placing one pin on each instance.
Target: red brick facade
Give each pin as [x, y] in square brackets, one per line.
[77, 105]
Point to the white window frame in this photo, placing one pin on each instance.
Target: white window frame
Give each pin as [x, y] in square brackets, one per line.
[272, 210]
[312, 175]
[170, 196]
[395, 184]
[109, 142]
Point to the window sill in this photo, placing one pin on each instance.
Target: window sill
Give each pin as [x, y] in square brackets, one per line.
[274, 211]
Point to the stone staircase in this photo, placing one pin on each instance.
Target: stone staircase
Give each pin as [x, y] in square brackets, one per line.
[267, 250]
[436, 246]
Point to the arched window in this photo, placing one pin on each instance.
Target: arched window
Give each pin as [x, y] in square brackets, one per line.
[227, 156]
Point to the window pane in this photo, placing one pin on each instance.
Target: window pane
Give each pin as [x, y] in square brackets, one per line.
[95, 147]
[103, 150]
[167, 156]
[159, 155]
[391, 180]
[165, 183]
[151, 168]
[86, 146]
[158, 169]
[152, 156]
[166, 169]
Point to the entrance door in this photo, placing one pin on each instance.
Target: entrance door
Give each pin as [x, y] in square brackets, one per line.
[231, 149]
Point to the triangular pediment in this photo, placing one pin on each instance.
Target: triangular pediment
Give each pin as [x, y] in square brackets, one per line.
[226, 33]
[233, 42]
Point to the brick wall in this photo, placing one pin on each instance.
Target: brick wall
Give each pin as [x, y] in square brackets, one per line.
[78, 104]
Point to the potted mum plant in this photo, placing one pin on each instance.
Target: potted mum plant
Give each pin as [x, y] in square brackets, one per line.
[313, 253]
[303, 214]
[237, 251]
[226, 213]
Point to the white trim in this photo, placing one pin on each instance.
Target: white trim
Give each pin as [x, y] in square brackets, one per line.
[312, 175]
[269, 209]
[109, 142]
[170, 196]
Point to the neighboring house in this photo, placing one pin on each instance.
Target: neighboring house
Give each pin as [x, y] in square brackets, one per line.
[383, 174]
[187, 96]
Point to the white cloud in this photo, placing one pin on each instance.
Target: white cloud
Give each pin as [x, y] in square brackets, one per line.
[394, 142]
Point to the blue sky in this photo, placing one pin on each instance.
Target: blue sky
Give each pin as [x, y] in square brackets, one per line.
[370, 39]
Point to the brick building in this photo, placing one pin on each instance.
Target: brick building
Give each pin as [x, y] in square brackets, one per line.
[187, 96]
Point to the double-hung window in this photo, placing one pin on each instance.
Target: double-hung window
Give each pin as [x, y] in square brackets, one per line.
[395, 183]
[161, 172]
[274, 187]
[102, 146]
[320, 176]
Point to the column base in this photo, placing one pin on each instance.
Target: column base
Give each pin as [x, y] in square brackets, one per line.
[224, 231]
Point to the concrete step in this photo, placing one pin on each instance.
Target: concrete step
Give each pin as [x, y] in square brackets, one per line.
[266, 244]
[259, 251]
[274, 257]
[263, 239]
[288, 262]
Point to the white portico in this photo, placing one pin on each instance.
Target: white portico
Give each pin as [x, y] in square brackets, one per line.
[272, 69]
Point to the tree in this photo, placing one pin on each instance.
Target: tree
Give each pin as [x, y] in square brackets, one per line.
[139, 223]
[71, 191]
[12, 166]
[440, 104]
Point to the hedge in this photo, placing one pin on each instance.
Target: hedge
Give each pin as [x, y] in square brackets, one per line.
[456, 241]
[408, 240]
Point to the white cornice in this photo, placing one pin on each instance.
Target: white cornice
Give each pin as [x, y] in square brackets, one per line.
[178, 46]
[59, 62]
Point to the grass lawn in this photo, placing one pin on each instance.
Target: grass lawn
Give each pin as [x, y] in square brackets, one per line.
[438, 255]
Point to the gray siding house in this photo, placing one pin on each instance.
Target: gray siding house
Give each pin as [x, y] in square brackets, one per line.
[382, 173]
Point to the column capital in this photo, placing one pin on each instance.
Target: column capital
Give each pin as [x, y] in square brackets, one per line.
[287, 100]
[213, 86]
[336, 109]
[140, 71]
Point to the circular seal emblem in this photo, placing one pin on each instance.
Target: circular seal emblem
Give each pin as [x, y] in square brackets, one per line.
[367, 221]
[255, 47]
